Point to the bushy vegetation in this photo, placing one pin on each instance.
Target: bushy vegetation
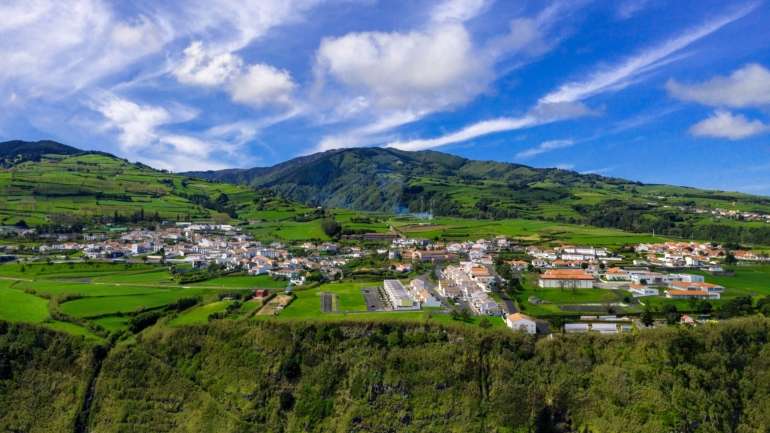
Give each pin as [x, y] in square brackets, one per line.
[376, 377]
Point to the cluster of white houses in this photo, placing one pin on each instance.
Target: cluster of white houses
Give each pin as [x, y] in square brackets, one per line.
[641, 282]
[681, 254]
[412, 297]
[471, 282]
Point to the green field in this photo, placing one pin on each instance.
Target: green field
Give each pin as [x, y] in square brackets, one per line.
[525, 230]
[17, 306]
[200, 314]
[105, 294]
[64, 189]
[243, 282]
[351, 306]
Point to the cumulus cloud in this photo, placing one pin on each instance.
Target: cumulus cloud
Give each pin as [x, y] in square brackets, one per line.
[262, 84]
[435, 67]
[135, 123]
[544, 147]
[565, 101]
[255, 85]
[201, 68]
[723, 124]
[748, 86]
[405, 76]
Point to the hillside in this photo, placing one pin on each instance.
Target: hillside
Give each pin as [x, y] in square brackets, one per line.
[17, 151]
[387, 377]
[390, 180]
[53, 184]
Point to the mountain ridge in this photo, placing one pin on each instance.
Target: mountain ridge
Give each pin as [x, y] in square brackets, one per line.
[99, 186]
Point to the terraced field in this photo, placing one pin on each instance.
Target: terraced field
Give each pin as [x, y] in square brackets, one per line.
[102, 295]
[62, 189]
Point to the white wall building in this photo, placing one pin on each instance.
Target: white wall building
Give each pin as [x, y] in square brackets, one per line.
[520, 322]
[398, 296]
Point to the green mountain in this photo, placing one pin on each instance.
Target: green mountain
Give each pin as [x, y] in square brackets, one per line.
[274, 376]
[47, 183]
[17, 151]
[390, 180]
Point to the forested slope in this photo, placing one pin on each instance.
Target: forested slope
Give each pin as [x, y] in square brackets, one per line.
[293, 377]
[43, 379]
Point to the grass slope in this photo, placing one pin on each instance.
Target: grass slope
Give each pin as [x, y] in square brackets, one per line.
[63, 189]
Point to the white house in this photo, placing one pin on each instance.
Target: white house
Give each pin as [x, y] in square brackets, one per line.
[638, 291]
[398, 296]
[520, 322]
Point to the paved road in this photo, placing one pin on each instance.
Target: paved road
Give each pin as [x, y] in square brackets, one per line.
[509, 306]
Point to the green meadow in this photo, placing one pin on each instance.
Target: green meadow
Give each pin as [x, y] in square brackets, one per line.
[61, 189]
[105, 295]
[199, 314]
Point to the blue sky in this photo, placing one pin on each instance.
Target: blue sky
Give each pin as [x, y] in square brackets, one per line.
[658, 91]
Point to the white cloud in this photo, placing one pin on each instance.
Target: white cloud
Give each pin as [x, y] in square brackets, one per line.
[748, 86]
[136, 124]
[430, 68]
[458, 10]
[255, 85]
[399, 77]
[564, 102]
[617, 76]
[467, 133]
[628, 8]
[540, 115]
[50, 47]
[262, 84]
[143, 136]
[544, 147]
[201, 68]
[723, 124]
[367, 134]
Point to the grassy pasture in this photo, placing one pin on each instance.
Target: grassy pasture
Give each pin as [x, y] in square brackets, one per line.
[106, 305]
[18, 306]
[199, 314]
[242, 282]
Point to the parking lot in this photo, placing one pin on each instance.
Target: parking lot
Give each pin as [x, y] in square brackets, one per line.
[373, 298]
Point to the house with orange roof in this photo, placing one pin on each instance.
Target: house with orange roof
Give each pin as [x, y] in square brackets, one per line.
[691, 294]
[687, 285]
[617, 274]
[641, 290]
[566, 279]
[521, 322]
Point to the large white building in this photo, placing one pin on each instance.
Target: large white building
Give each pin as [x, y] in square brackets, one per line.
[566, 279]
[398, 296]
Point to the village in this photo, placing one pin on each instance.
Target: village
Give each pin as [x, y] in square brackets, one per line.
[471, 276]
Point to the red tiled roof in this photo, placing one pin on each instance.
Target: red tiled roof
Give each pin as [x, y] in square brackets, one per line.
[566, 274]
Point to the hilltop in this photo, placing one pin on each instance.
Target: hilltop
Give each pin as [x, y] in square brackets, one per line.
[48, 183]
[18, 151]
[390, 180]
